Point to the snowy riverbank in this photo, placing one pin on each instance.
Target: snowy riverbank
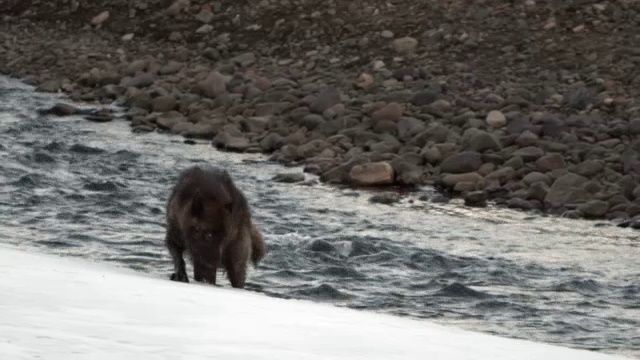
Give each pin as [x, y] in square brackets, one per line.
[60, 308]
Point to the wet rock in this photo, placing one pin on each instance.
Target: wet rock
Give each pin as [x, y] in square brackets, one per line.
[476, 198]
[50, 86]
[106, 186]
[463, 162]
[566, 190]
[43, 158]
[594, 208]
[387, 198]
[322, 246]
[522, 204]
[84, 149]
[372, 174]
[61, 109]
[288, 178]
[271, 142]
[169, 119]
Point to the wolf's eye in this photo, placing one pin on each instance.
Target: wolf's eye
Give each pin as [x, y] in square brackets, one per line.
[209, 235]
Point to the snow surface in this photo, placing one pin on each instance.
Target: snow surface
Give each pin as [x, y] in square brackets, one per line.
[63, 308]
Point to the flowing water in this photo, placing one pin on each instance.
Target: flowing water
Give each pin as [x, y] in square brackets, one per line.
[98, 191]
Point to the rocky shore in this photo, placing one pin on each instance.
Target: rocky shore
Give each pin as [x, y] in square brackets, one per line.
[529, 104]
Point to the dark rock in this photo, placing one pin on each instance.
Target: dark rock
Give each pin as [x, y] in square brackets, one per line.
[517, 203]
[590, 168]
[476, 198]
[550, 162]
[594, 208]
[483, 141]
[326, 99]
[566, 190]
[61, 109]
[530, 153]
[424, 98]
[463, 162]
[288, 178]
[385, 198]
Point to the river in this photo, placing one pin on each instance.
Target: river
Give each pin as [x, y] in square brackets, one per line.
[98, 191]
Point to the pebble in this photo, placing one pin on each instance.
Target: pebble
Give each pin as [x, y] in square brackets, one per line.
[496, 119]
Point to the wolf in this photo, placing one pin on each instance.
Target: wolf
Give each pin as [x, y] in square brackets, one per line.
[209, 217]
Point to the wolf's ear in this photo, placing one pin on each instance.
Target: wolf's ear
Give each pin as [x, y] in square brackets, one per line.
[197, 205]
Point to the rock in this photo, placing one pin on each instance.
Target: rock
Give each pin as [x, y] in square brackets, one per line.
[550, 162]
[214, 85]
[288, 178]
[204, 29]
[205, 15]
[534, 177]
[476, 198]
[387, 198]
[527, 138]
[566, 190]
[391, 112]
[589, 168]
[405, 45]
[231, 139]
[431, 155]
[50, 86]
[452, 180]
[522, 204]
[61, 109]
[364, 81]
[424, 98]
[100, 18]
[255, 124]
[326, 99]
[496, 119]
[312, 121]
[530, 153]
[127, 37]
[178, 6]
[168, 120]
[244, 60]
[594, 208]
[163, 103]
[483, 141]
[634, 126]
[408, 127]
[372, 174]
[463, 162]
[140, 81]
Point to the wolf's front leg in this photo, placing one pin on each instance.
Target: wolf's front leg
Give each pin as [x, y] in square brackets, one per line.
[176, 251]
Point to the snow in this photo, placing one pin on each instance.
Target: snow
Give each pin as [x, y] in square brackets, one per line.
[67, 308]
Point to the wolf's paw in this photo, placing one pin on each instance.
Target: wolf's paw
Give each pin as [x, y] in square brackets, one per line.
[181, 277]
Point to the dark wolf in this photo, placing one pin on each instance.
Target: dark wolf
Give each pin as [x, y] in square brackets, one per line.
[209, 217]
